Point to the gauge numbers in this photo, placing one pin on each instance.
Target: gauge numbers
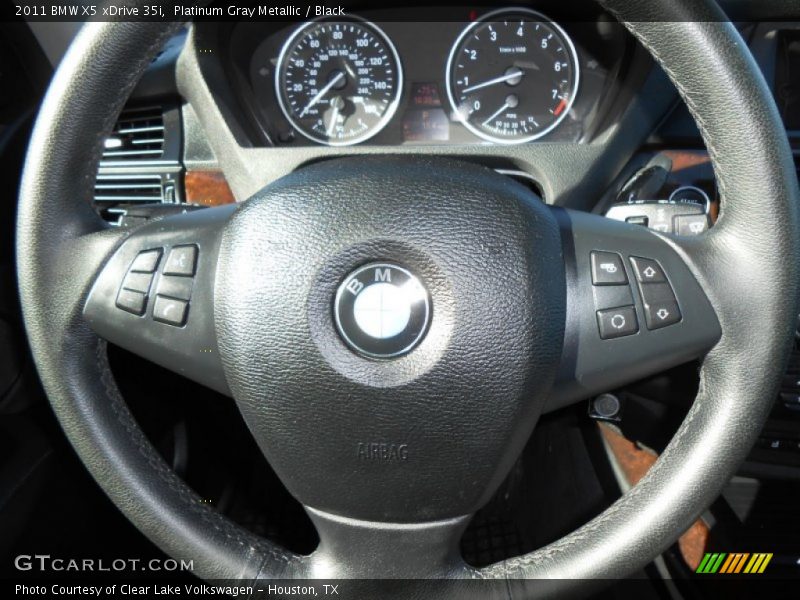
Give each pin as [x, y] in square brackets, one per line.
[338, 83]
[512, 76]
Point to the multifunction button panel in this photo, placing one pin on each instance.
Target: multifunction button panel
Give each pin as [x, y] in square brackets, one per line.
[173, 290]
[613, 296]
[660, 305]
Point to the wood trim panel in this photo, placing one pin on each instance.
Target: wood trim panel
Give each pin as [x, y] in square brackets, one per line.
[686, 159]
[207, 188]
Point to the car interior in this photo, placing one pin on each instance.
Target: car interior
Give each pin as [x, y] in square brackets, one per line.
[482, 299]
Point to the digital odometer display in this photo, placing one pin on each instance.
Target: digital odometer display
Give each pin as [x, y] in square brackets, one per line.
[512, 76]
[338, 83]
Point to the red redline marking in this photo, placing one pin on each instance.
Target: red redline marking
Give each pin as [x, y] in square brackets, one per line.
[561, 106]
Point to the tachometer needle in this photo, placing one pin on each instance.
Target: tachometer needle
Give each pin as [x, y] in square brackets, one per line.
[514, 74]
[322, 92]
[497, 112]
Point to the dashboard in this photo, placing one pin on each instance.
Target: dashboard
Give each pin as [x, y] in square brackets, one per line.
[503, 76]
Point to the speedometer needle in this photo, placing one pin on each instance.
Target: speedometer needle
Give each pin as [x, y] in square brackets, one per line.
[322, 92]
[497, 112]
[508, 76]
[334, 118]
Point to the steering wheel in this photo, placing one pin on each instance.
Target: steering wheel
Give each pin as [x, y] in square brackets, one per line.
[392, 443]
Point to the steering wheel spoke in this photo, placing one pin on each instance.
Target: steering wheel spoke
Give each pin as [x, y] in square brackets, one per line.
[155, 295]
[634, 308]
[352, 548]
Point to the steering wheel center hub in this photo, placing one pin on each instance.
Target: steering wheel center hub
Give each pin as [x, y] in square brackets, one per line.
[391, 326]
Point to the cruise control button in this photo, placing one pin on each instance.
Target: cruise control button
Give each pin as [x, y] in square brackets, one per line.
[647, 270]
[170, 311]
[147, 261]
[132, 302]
[182, 260]
[617, 322]
[176, 287]
[660, 307]
[138, 282]
[662, 315]
[607, 269]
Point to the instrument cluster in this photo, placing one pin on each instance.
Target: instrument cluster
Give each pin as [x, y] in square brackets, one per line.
[507, 76]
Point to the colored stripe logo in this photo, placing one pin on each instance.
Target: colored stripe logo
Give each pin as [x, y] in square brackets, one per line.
[734, 563]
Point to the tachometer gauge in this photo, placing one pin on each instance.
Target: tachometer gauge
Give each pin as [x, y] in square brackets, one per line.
[512, 76]
[338, 83]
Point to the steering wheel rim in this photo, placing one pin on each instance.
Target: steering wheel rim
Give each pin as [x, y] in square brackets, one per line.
[744, 252]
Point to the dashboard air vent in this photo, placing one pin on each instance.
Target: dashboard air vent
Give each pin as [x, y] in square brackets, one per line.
[137, 136]
[116, 193]
[141, 171]
[128, 188]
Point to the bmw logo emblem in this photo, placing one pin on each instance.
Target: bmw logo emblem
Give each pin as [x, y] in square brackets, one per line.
[382, 310]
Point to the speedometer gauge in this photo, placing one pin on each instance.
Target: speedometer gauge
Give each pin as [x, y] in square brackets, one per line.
[338, 83]
[512, 76]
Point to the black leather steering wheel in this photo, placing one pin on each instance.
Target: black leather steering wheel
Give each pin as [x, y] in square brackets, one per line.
[513, 319]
